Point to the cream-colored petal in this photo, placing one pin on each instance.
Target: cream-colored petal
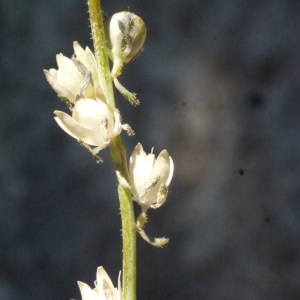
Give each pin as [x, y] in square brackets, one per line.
[65, 64]
[149, 165]
[171, 172]
[137, 164]
[68, 74]
[160, 173]
[93, 63]
[92, 114]
[104, 283]
[149, 177]
[86, 292]
[162, 166]
[87, 58]
[61, 90]
[78, 131]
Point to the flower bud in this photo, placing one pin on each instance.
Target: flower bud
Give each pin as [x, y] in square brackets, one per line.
[126, 36]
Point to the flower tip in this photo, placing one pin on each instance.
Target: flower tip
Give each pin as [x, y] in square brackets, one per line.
[100, 269]
[59, 55]
[48, 76]
[76, 46]
[138, 148]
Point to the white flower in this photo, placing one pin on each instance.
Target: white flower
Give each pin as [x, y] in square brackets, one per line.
[91, 122]
[77, 76]
[104, 290]
[150, 177]
[77, 81]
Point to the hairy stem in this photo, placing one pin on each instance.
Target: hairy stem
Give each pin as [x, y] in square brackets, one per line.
[118, 155]
[99, 41]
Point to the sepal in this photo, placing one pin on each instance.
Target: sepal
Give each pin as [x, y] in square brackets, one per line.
[156, 242]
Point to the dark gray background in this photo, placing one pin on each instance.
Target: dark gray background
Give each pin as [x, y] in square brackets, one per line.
[219, 85]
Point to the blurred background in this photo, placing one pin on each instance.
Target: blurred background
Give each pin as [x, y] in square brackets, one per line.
[219, 85]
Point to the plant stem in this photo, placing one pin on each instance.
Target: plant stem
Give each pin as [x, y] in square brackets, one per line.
[99, 41]
[129, 244]
[118, 155]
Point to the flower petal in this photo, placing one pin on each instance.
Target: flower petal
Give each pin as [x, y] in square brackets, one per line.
[104, 284]
[138, 174]
[171, 172]
[87, 58]
[86, 292]
[68, 74]
[162, 167]
[91, 113]
[61, 90]
[78, 131]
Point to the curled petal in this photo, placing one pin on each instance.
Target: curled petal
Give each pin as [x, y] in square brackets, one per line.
[78, 131]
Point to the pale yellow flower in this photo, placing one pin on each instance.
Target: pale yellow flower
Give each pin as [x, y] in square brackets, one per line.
[75, 77]
[91, 122]
[104, 289]
[149, 177]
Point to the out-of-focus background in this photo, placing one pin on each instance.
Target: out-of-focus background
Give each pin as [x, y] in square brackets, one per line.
[219, 85]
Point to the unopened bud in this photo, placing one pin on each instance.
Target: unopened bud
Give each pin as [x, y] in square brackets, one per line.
[126, 36]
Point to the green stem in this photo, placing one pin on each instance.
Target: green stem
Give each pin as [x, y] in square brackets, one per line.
[129, 244]
[99, 41]
[118, 155]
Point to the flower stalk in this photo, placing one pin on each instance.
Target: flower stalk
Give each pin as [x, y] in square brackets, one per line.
[85, 83]
[118, 155]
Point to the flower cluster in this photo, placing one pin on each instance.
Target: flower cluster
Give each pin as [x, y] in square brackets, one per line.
[104, 289]
[77, 82]
[95, 123]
